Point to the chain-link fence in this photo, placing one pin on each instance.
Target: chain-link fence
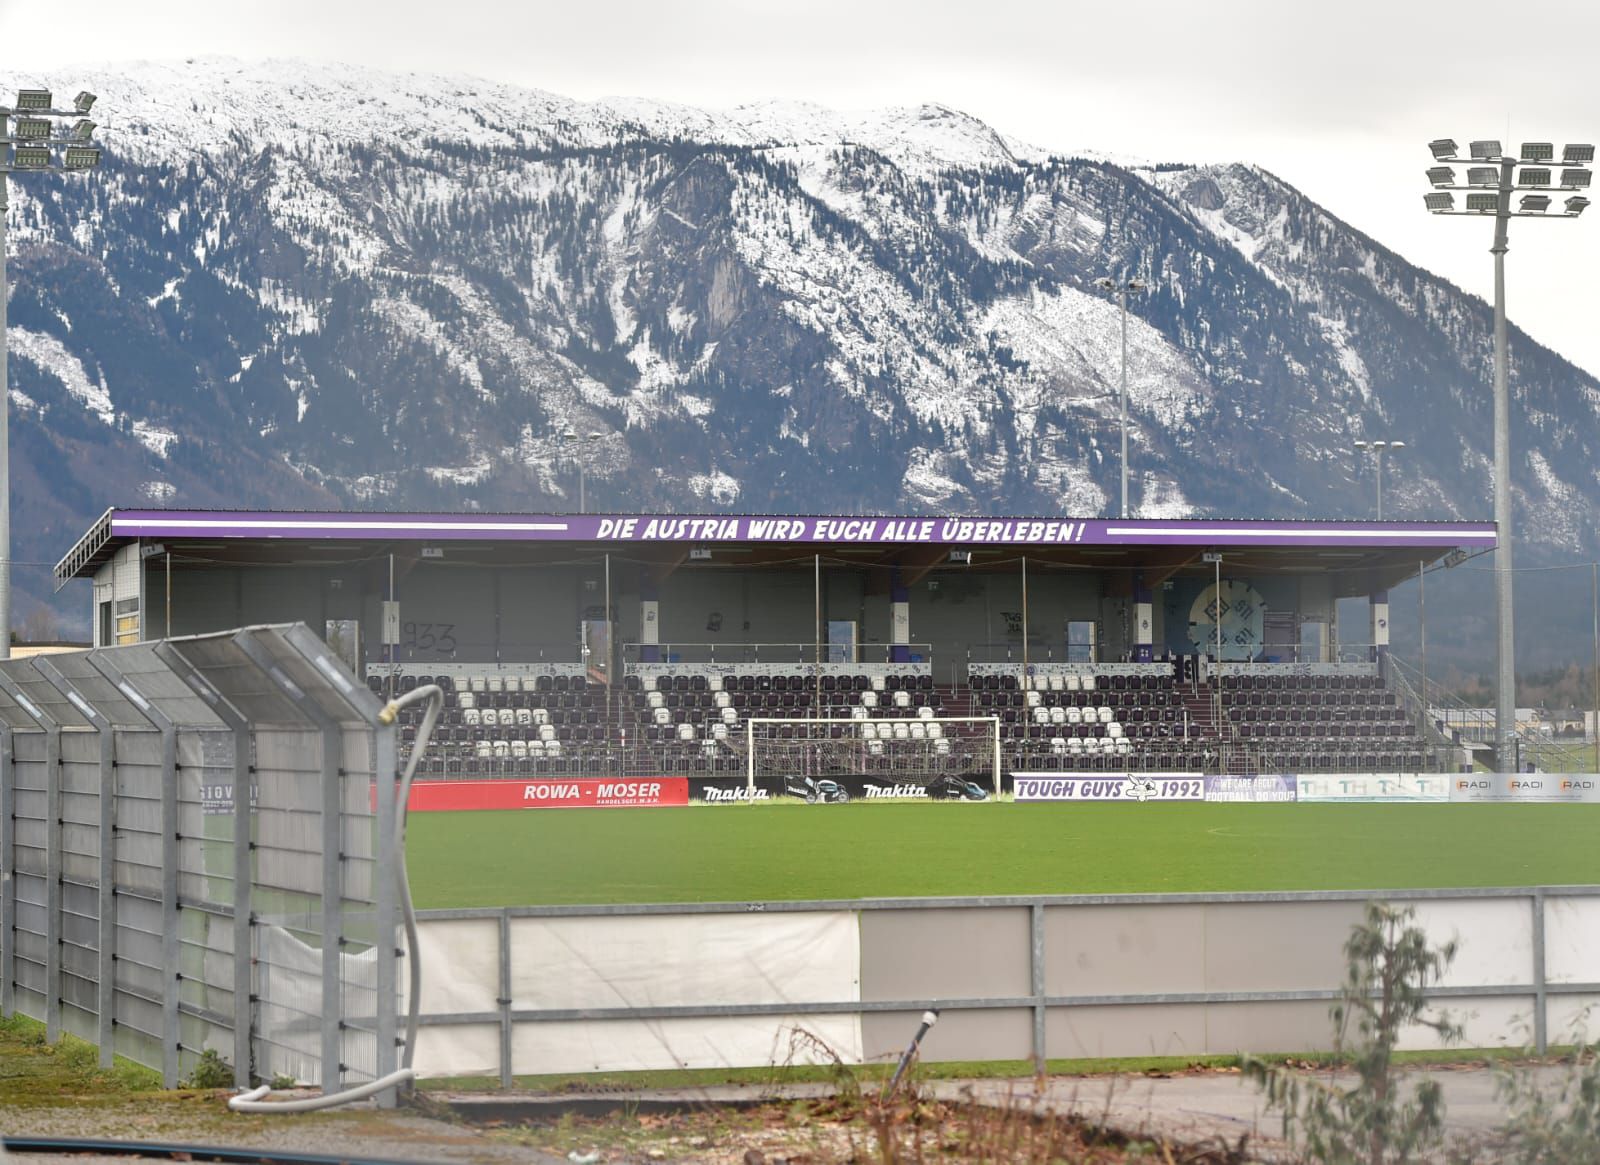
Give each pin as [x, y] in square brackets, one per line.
[197, 842]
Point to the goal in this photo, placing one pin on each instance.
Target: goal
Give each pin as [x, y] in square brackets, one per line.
[902, 750]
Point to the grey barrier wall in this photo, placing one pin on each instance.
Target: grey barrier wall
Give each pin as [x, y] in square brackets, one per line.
[191, 839]
[579, 989]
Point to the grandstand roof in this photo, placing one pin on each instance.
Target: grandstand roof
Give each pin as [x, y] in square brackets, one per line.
[1362, 555]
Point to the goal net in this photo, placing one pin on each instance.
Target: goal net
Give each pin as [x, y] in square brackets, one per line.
[921, 751]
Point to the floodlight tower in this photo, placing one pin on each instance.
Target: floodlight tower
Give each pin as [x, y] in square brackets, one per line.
[32, 137]
[1492, 178]
[1122, 290]
[1377, 449]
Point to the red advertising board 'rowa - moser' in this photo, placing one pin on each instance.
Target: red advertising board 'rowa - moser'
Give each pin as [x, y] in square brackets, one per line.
[548, 793]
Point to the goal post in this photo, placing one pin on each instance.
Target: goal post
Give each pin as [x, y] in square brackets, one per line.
[902, 749]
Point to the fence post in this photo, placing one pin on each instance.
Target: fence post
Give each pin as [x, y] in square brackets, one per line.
[8, 864]
[105, 890]
[52, 855]
[243, 771]
[1037, 985]
[504, 998]
[1541, 993]
[332, 854]
[171, 949]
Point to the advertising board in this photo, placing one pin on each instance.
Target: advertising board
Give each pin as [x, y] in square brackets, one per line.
[1374, 787]
[1110, 787]
[1275, 787]
[1526, 788]
[838, 789]
[548, 793]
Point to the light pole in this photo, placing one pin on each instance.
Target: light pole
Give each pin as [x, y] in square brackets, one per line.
[1377, 449]
[29, 137]
[1122, 290]
[1492, 178]
[582, 459]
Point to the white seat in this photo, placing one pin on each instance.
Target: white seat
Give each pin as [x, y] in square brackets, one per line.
[941, 746]
[1074, 715]
[647, 683]
[1041, 715]
[1072, 682]
[466, 700]
[471, 717]
[478, 684]
[719, 731]
[730, 716]
[1088, 683]
[482, 750]
[858, 713]
[902, 699]
[723, 700]
[656, 700]
[1058, 746]
[1124, 746]
[539, 715]
[924, 713]
[919, 731]
[502, 749]
[1113, 730]
[663, 717]
[878, 683]
[524, 716]
[1058, 682]
[1106, 715]
[496, 684]
[714, 683]
[874, 748]
[518, 684]
[536, 749]
[686, 732]
[869, 699]
[1075, 745]
[1034, 699]
[1058, 715]
[869, 730]
[519, 750]
[901, 732]
[547, 732]
[935, 731]
[552, 748]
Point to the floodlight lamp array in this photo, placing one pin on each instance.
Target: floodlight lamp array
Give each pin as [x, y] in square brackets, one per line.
[1577, 152]
[1485, 150]
[1483, 176]
[1485, 202]
[1537, 151]
[34, 99]
[1441, 176]
[1534, 176]
[1444, 149]
[1437, 202]
[1574, 179]
[1576, 205]
[1535, 203]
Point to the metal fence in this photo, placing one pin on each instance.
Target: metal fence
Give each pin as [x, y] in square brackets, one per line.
[555, 989]
[196, 853]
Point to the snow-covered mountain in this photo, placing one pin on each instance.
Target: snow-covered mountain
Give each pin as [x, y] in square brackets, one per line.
[305, 285]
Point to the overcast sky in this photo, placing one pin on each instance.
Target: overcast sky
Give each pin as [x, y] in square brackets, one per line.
[1339, 99]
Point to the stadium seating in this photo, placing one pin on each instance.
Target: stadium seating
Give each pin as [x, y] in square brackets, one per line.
[498, 724]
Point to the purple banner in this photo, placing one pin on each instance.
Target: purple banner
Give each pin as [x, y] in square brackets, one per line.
[1266, 788]
[710, 530]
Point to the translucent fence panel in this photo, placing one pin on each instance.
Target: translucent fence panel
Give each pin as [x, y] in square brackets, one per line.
[193, 835]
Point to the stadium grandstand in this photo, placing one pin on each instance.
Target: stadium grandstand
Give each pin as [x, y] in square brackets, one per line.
[906, 648]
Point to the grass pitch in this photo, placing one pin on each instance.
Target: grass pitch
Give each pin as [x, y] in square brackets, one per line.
[737, 853]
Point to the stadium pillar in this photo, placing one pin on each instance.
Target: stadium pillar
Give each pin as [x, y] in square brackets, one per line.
[1378, 603]
[649, 619]
[899, 619]
[1143, 620]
